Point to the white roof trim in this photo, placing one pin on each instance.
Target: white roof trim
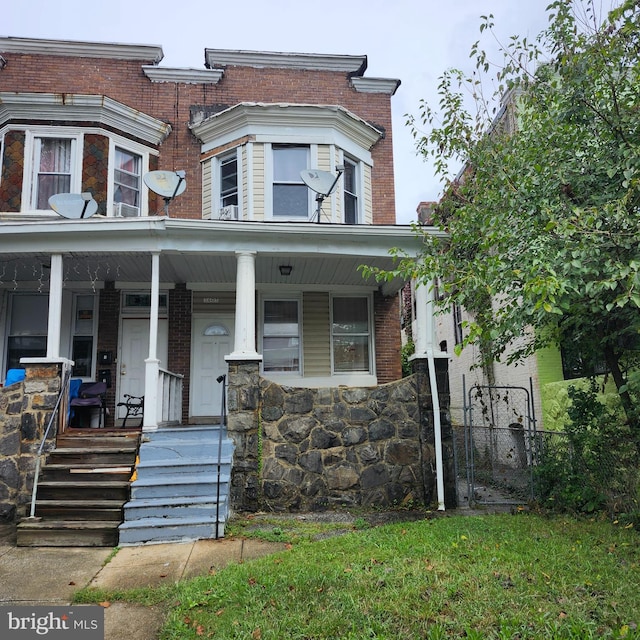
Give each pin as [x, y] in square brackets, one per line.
[251, 118]
[375, 85]
[309, 61]
[186, 76]
[69, 107]
[142, 52]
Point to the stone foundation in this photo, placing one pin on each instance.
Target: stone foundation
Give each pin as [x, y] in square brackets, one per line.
[303, 449]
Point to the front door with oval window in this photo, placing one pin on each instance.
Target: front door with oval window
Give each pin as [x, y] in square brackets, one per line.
[212, 341]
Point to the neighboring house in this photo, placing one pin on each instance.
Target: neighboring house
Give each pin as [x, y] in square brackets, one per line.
[240, 266]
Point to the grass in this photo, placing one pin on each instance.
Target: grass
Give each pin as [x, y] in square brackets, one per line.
[502, 576]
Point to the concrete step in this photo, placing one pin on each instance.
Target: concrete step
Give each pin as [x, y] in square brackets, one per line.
[180, 465]
[200, 507]
[54, 533]
[178, 485]
[159, 530]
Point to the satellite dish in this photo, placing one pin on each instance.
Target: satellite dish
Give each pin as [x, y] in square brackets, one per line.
[73, 205]
[322, 182]
[167, 184]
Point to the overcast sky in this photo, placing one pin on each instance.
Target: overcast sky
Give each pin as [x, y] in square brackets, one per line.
[410, 40]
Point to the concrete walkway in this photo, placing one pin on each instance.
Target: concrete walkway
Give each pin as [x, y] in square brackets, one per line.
[50, 575]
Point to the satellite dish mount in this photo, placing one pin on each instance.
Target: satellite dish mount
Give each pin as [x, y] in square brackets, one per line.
[322, 182]
[167, 184]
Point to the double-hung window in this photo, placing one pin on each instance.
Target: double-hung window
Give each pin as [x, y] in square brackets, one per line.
[229, 181]
[351, 334]
[27, 328]
[281, 336]
[53, 168]
[350, 178]
[127, 179]
[290, 194]
[82, 340]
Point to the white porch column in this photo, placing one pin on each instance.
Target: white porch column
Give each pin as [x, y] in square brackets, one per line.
[423, 338]
[55, 307]
[244, 347]
[152, 364]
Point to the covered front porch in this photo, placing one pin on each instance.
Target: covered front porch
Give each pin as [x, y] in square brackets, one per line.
[177, 295]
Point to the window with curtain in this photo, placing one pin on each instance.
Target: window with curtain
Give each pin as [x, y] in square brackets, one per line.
[53, 164]
[290, 194]
[351, 334]
[281, 336]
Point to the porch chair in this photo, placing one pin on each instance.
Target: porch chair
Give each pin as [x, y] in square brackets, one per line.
[91, 395]
[135, 408]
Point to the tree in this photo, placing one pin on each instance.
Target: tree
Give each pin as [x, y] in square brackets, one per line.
[543, 220]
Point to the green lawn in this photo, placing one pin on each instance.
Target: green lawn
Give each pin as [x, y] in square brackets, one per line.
[498, 576]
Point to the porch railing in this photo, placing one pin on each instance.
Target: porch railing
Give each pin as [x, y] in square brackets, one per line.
[60, 409]
[169, 397]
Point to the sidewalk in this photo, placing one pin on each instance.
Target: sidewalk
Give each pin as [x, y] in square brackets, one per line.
[50, 575]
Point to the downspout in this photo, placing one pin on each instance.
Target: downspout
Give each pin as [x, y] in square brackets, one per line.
[424, 348]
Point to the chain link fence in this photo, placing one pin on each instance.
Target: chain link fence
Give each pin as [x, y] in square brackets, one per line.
[502, 458]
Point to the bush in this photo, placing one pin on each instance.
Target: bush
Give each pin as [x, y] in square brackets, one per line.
[592, 466]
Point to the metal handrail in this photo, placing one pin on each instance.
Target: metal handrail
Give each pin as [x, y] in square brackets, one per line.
[223, 425]
[63, 390]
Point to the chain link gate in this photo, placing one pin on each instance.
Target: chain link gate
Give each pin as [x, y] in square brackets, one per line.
[499, 444]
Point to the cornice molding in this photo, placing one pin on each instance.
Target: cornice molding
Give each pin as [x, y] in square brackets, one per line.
[354, 65]
[253, 118]
[375, 85]
[142, 52]
[184, 76]
[70, 107]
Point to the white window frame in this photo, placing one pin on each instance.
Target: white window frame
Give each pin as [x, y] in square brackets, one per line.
[269, 172]
[216, 180]
[93, 334]
[32, 161]
[116, 141]
[274, 298]
[369, 334]
[358, 193]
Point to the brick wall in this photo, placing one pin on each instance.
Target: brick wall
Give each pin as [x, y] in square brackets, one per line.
[180, 340]
[124, 81]
[388, 339]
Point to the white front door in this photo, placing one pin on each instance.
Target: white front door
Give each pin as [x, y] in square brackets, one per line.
[134, 350]
[212, 340]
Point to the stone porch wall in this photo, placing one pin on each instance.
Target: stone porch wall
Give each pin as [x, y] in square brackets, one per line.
[25, 410]
[311, 449]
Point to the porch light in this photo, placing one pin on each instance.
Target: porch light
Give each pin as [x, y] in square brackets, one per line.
[285, 269]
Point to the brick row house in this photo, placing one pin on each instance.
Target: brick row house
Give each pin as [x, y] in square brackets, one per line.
[157, 297]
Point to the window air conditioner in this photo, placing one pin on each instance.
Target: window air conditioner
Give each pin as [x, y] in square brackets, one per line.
[230, 212]
[123, 210]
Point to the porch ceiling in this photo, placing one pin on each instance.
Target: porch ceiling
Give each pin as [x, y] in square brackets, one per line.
[199, 253]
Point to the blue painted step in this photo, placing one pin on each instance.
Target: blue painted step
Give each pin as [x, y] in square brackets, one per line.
[176, 496]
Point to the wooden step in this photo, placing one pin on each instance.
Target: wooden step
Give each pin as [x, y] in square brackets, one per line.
[89, 472]
[80, 510]
[83, 490]
[93, 456]
[58, 533]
